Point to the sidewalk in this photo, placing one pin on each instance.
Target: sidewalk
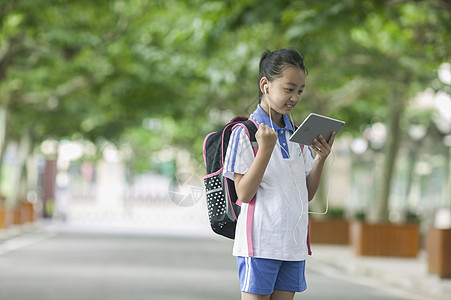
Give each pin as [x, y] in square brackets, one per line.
[401, 273]
[17, 230]
[406, 274]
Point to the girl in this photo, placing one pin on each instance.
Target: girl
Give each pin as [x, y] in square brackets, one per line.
[271, 252]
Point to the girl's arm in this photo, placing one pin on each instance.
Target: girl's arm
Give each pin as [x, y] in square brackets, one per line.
[246, 185]
[322, 149]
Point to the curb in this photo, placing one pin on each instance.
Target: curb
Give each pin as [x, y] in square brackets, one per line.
[409, 275]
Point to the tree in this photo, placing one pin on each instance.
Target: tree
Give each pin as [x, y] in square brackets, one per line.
[366, 59]
[390, 50]
[96, 69]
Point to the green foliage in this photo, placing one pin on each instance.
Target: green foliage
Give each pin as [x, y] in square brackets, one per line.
[97, 69]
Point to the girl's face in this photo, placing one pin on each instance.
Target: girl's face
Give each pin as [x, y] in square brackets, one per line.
[284, 92]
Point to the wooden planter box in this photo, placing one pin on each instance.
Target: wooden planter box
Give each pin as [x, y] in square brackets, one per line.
[23, 213]
[17, 216]
[28, 215]
[3, 218]
[385, 239]
[329, 231]
[438, 247]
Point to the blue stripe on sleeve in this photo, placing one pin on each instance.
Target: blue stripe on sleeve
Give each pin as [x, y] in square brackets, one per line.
[235, 138]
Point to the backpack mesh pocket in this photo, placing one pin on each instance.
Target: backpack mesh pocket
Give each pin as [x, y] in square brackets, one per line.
[216, 199]
[220, 212]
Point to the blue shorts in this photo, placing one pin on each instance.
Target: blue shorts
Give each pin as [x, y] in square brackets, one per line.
[262, 276]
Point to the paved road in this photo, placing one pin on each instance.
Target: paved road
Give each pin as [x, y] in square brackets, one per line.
[49, 265]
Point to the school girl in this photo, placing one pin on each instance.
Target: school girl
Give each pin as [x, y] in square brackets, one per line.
[282, 176]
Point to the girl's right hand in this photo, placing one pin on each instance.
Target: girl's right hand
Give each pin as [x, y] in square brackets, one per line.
[266, 137]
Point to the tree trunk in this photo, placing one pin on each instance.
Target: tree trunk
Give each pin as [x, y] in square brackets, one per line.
[20, 182]
[391, 149]
[3, 116]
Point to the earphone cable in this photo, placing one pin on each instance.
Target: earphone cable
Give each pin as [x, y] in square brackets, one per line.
[291, 171]
[292, 175]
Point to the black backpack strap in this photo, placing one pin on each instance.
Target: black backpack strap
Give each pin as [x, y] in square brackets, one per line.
[252, 129]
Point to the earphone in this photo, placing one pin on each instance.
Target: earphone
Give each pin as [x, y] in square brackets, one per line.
[265, 87]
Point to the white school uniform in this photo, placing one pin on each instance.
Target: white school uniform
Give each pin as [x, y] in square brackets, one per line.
[280, 219]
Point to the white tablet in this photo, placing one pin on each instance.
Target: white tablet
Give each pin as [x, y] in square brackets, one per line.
[313, 126]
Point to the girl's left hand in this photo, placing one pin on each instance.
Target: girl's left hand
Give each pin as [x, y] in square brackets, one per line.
[322, 147]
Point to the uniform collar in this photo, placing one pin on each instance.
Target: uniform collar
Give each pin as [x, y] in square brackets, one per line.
[260, 116]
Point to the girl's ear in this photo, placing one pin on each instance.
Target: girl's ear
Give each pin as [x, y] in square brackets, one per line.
[264, 85]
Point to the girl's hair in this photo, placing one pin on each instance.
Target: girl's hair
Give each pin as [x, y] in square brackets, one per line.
[272, 64]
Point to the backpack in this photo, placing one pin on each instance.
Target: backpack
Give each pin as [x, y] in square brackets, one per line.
[222, 201]
[222, 204]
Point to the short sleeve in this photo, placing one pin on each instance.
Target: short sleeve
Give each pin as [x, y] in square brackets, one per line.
[239, 155]
[308, 159]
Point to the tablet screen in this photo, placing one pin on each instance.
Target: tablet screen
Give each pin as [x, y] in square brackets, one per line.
[313, 126]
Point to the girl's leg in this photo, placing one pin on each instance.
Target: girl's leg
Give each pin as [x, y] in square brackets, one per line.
[277, 295]
[282, 295]
[248, 296]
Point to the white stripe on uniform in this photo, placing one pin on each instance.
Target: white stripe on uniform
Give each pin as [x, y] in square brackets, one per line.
[247, 278]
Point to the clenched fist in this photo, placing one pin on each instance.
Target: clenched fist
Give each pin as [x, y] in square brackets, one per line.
[266, 137]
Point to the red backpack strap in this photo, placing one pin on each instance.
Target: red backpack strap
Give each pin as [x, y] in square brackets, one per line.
[251, 128]
[309, 249]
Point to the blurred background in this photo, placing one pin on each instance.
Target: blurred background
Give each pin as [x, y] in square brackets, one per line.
[103, 103]
[104, 106]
